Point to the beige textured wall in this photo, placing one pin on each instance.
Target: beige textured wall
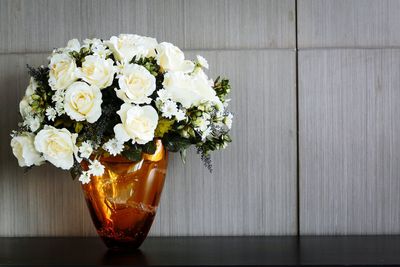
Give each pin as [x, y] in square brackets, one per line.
[348, 116]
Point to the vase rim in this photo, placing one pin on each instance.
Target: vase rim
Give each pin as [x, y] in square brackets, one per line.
[122, 159]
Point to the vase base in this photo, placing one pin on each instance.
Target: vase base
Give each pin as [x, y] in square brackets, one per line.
[121, 245]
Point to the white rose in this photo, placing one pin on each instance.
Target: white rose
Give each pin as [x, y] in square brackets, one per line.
[147, 44]
[189, 90]
[202, 61]
[57, 146]
[24, 107]
[203, 87]
[83, 102]
[171, 58]
[136, 84]
[97, 71]
[31, 89]
[24, 150]
[126, 46]
[73, 45]
[138, 124]
[62, 71]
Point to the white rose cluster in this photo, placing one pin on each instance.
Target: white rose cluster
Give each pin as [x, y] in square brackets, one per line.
[107, 97]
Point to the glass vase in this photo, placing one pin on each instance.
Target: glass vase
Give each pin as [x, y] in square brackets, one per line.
[124, 200]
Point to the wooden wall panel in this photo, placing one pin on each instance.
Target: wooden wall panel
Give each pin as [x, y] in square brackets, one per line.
[348, 23]
[41, 25]
[251, 191]
[349, 107]
[239, 24]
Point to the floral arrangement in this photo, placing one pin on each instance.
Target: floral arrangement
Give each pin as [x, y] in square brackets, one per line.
[118, 97]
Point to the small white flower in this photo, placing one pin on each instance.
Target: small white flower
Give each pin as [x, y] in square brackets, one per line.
[58, 96]
[169, 109]
[33, 122]
[58, 99]
[51, 113]
[202, 61]
[93, 42]
[202, 123]
[163, 95]
[98, 47]
[101, 51]
[85, 149]
[60, 108]
[228, 120]
[84, 178]
[205, 133]
[96, 168]
[113, 146]
[180, 115]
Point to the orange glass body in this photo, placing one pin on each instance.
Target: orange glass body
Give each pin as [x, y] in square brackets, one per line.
[124, 200]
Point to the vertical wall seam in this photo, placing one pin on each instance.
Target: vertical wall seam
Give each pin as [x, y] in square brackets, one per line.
[297, 121]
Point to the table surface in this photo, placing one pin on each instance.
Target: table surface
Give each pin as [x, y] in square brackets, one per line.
[221, 251]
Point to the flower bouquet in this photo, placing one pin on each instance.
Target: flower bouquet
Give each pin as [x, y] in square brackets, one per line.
[108, 111]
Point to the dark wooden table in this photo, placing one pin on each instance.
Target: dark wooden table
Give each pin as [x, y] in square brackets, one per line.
[221, 251]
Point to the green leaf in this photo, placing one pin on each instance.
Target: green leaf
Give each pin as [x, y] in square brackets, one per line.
[133, 154]
[58, 122]
[164, 125]
[183, 155]
[150, 147]
[76, 170]
[175, 143]
[78, 127]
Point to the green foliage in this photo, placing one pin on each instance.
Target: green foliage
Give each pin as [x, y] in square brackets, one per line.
[150, 147]
[205, 158]
[41, 99]
[215, 143]
[164, 126]
[222, 88]
[76, 170]
[133, 153]
[174, 142]
[80, 56]
[41, 76]
[183, 155]
[64, 122]
[102, 130]
[205, 148]
[78, 126]
[150, 63]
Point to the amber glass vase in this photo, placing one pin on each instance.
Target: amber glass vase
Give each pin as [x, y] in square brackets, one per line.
[123, 201]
